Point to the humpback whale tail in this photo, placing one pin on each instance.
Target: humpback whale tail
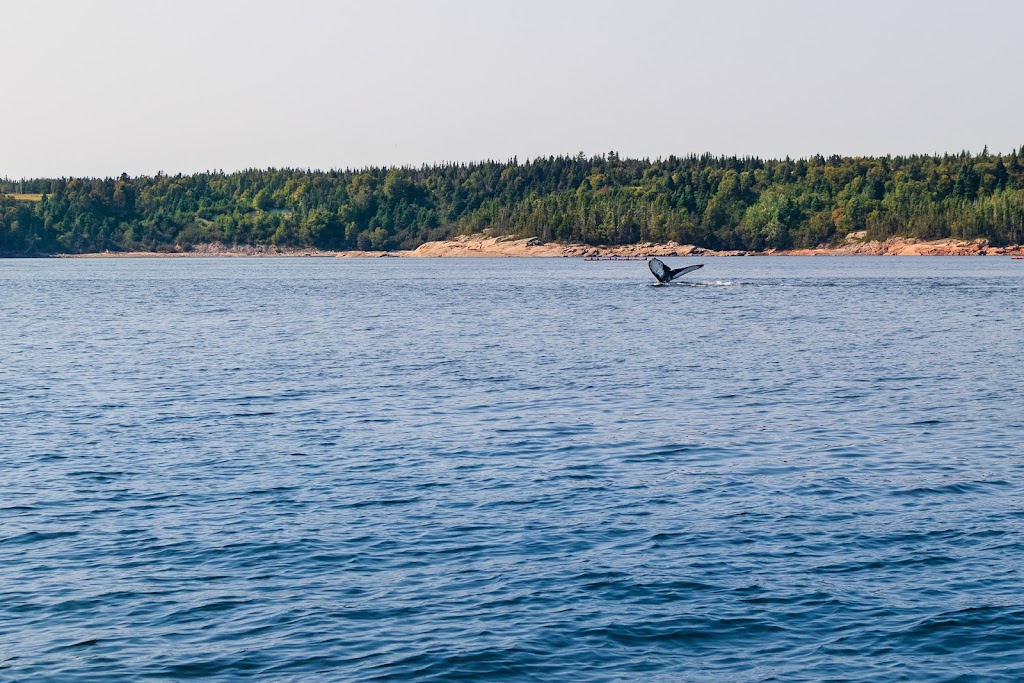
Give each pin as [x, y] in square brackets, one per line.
[665, 274]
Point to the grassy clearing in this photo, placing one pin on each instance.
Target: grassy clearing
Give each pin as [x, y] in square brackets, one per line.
[25, 197]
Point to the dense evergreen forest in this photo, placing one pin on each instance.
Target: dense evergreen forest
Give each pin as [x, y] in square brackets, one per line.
[714, 202]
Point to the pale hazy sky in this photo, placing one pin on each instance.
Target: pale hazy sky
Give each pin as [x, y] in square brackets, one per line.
[101, 87]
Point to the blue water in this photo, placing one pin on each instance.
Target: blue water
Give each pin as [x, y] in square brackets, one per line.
[327, 469]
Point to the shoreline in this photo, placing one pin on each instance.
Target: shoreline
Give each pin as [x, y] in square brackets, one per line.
[484, 246]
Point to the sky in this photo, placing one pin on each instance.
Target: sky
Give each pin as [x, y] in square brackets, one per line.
[109, 86]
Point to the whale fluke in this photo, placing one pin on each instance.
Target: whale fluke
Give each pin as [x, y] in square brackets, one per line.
[666, 274]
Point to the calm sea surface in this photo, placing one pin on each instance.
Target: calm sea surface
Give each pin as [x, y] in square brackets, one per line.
[326, 469]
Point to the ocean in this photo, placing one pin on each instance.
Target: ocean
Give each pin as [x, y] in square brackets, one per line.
[797, 469]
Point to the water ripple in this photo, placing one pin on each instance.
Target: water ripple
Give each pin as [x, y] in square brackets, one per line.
[796, 469]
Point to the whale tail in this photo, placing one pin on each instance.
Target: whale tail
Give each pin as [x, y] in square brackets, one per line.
[666, 274]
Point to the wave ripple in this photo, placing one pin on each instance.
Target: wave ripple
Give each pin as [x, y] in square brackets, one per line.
[799, 469]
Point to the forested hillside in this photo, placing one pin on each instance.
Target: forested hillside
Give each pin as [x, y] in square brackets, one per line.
[715, 202]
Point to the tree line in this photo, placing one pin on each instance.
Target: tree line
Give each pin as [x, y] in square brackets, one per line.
[719, 202]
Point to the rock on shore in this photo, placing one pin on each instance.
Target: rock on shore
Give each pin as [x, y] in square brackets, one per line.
[491, 246]
[903, 246]
[508, 246]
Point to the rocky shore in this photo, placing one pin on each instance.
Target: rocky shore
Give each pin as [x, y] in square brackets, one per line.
[900, 246]
[489, 246]
[485, 246]
[214, 250]
[855, 245]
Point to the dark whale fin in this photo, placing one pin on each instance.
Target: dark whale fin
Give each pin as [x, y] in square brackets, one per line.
[666, 274]
[688, 269]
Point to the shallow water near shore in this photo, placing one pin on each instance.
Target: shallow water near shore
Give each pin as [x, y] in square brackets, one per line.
[796, 469]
